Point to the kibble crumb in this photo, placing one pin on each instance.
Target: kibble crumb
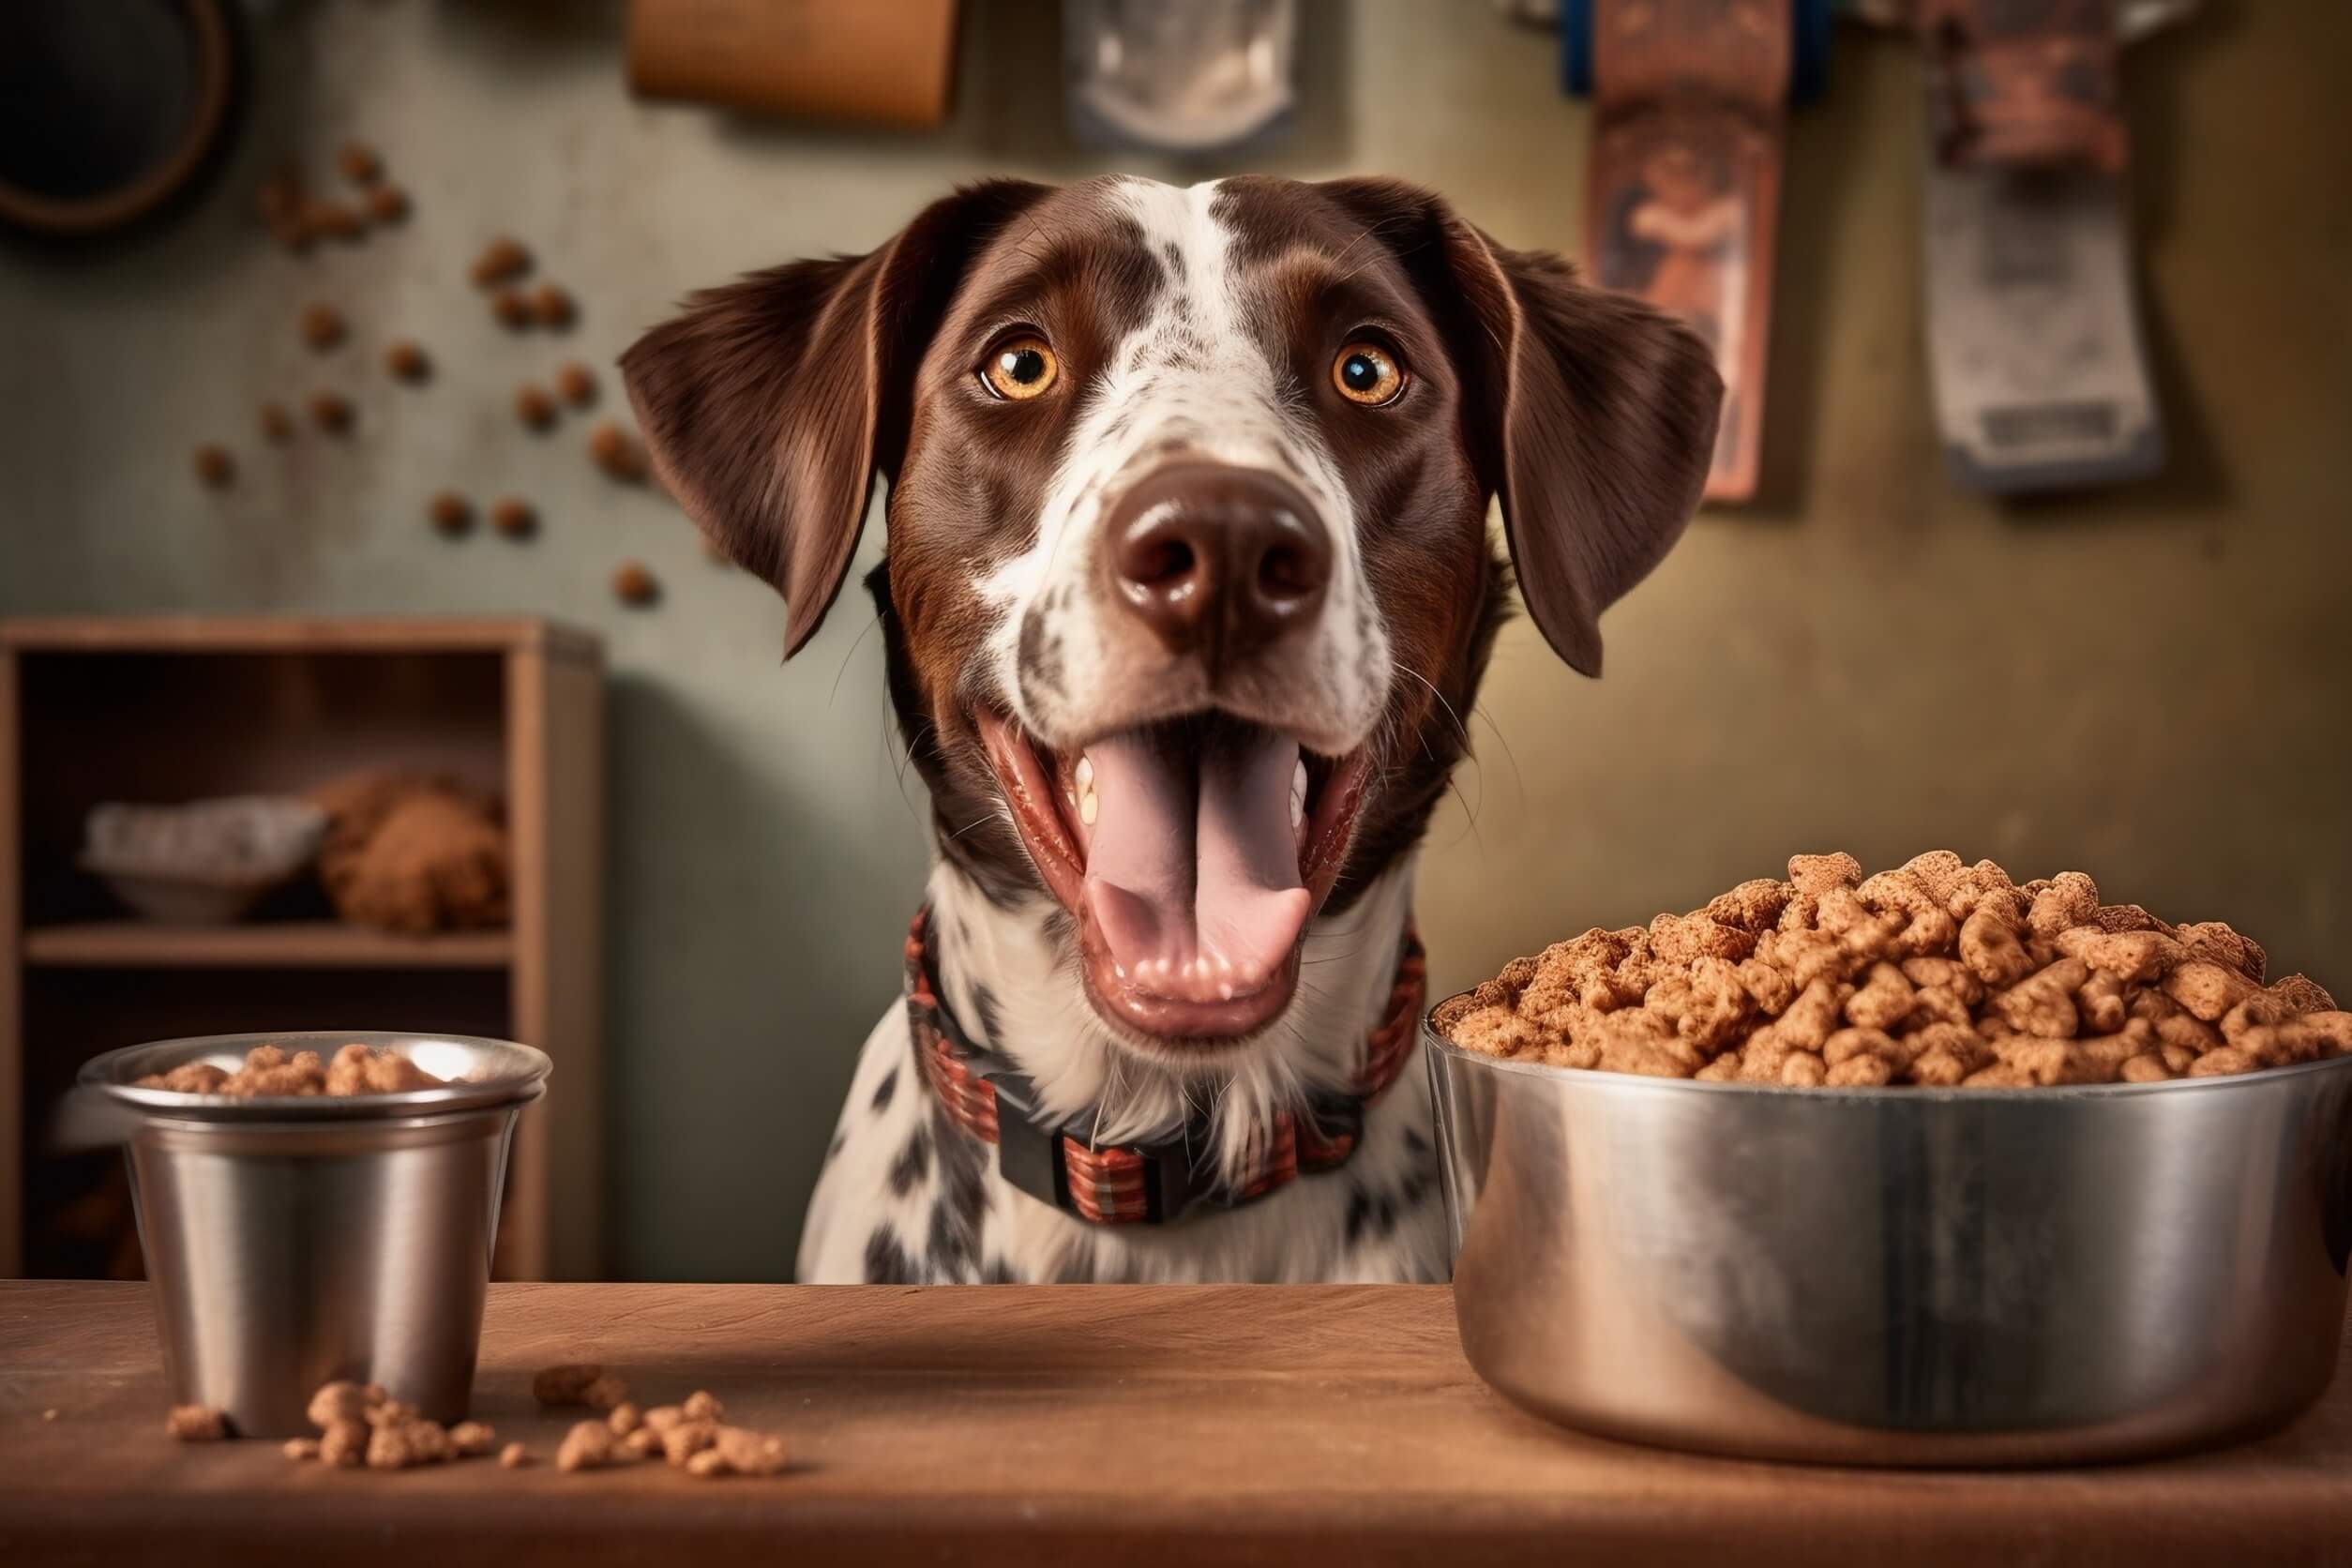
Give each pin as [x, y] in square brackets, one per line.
[332, 411]
[49, 1414]
[470, 1439]
[301, 1450]
[327, 220]
[196, 1424]
[407, 361]
[360, 163]
[513, 1457]
[215, 467]
[388, 203]
[451, 512]
[553, 306]
[278, 426]
[579, 1383]
[575, 385]
[502, 261]
[587, 1446]
[512, 308]
[344, 1444]
[343, 1400]
[323, 326]
[635, 585]
[514, 517]
[533, 406]
[616, 451]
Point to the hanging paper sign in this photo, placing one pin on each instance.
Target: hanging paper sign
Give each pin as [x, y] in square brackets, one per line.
[2039, 372]
[1683, 196]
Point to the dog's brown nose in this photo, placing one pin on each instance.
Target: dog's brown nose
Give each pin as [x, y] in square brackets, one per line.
[1217, 559]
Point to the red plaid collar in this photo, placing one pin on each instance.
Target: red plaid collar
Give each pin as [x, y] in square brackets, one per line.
[1061, 1162]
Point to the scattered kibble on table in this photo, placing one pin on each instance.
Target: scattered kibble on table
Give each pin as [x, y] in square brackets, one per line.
[278, 426]
[514, 517]
[635, 585]
[534, 406]
[332, 411]
[512, 308]
[451, 513]
[323, 326]
[576, 384]
[215, 466]
[407, 360]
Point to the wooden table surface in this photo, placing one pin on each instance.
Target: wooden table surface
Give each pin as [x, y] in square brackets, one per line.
[1112, 1426]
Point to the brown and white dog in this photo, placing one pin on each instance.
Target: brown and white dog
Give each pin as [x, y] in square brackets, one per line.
[1188, 587]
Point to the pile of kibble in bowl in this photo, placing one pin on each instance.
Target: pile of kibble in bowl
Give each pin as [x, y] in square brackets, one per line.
[268, 1071]
[1937, 973]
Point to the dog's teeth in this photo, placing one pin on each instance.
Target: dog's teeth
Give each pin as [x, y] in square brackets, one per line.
[1084, 771]
[1225, 990]
[1298, 796]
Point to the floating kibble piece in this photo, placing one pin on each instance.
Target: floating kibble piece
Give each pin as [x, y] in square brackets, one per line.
[534, 406]
[635, 585]
[502, 261]
[215, 466]
[576, 384]
[323, 326]
[515, 517]
[551, 305]
[360, 163]
[332, 411]
[407, 360]
[451, 513]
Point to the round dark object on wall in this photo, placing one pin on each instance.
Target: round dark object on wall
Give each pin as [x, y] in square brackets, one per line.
[110, 108]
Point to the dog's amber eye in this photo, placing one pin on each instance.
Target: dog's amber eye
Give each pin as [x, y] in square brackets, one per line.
[1020, 368]
[1368, 373]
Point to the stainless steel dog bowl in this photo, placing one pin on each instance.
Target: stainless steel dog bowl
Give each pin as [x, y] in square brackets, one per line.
[294, 1240]
[1899, 1276]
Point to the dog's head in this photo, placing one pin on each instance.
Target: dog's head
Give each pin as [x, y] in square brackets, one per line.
[1189, 582]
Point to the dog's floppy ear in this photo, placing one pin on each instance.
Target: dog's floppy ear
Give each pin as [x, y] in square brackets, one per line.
[773, 401]
[1590, 413]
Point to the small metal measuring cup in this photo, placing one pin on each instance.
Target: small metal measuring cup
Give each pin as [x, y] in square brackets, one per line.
[293, 1241]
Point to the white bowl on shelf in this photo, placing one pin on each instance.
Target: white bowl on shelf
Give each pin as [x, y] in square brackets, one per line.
[204, 862]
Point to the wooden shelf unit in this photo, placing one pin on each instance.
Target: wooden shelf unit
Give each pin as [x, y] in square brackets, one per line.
[173, 708]
[265, 945]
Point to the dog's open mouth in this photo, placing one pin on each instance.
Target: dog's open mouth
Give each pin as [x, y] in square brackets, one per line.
[1192, 853]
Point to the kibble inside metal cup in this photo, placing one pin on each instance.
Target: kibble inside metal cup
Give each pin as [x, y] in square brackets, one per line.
[1899, 1276]
[293, 1241]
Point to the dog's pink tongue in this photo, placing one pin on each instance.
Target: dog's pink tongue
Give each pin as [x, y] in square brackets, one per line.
[1193, 878]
